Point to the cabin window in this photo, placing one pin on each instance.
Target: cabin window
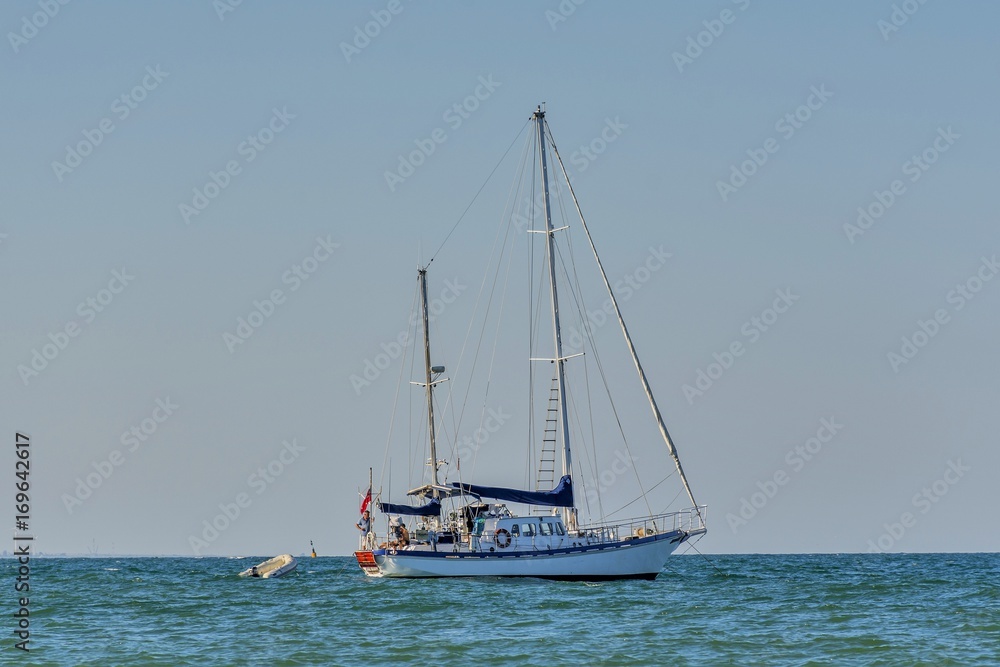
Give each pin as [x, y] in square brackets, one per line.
[546, 528]
[528, 529]
[559, 529]
[513, 530]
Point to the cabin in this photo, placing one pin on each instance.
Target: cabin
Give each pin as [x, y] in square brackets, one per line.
[522, 533]
[492, 528]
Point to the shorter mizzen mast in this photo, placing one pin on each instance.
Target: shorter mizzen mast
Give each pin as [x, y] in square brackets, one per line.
[628, 339]
[429, 383]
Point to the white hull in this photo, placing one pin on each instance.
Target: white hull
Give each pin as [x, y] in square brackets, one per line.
[636, 559]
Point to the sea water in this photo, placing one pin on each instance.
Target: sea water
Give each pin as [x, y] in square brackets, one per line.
[934, 609]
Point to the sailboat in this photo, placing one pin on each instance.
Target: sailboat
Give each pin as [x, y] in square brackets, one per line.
[467, 529]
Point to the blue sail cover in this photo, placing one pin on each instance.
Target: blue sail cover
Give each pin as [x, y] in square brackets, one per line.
[561, 496]
[433, 508]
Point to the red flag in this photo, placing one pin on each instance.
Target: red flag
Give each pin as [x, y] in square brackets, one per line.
[367, 501]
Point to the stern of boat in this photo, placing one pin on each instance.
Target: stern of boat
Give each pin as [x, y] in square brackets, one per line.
[366, 561]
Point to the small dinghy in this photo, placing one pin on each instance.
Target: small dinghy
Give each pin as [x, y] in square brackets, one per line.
[269, 569]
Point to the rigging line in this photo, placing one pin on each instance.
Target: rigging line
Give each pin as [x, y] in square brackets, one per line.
[579, 428]
[535, 446]
[416, 453]
[543, 296]
[444, 414]
[578, 300]
[496, 336]
[461, 217]
[714, 566]
[593, 462]
[531, 371]
[593, 433]
[640, 497]
[482, 286]
[395, 399]
[438, 410]
[532, 449]
[509, 205]
[672, 500]
[456, 423]
[346, 563]
[628, 341]
[486, 316]
[444, 433]
[534, 322]
[420, 428]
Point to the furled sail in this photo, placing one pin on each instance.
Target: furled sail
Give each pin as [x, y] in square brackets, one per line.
[433, 508]
[561, 496]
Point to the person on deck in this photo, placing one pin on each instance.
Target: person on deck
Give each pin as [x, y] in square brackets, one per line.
[364, 524]
[402, 536]
[479, 525]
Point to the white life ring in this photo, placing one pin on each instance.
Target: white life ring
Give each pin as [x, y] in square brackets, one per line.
[502, 538]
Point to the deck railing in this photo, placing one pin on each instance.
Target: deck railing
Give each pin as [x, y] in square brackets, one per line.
[689, 520]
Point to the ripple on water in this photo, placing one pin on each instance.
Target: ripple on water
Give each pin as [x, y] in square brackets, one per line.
[775, 610]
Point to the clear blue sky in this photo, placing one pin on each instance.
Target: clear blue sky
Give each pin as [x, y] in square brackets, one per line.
[196, 86]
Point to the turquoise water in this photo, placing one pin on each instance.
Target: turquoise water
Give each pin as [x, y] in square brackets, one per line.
[761, 610]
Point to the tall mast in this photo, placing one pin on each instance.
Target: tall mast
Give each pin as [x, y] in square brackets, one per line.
[569, 514]
[628, 340]
[428, 386]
